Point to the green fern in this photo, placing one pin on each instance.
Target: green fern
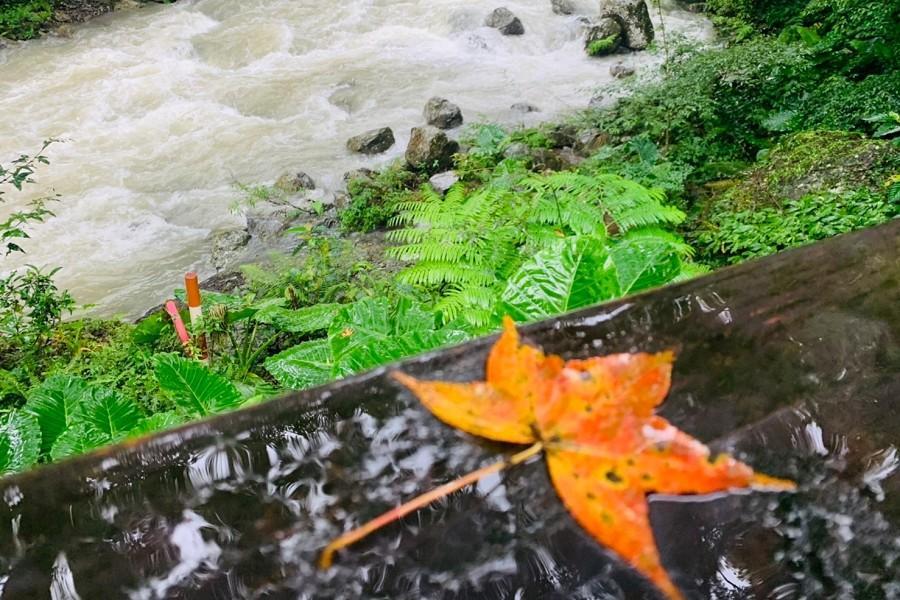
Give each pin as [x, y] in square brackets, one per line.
[465, 246]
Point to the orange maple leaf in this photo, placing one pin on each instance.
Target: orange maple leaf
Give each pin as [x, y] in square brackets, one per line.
[605, 448]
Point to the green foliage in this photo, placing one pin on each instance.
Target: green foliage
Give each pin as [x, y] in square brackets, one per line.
[466, 246]
[323, 269]
[20, 441]
[73, 416]
[731, 236]
[372, 200]
[603, 46]
[569, 274]
[23, 19]
[56, 404]
[794, 65]
[31, 307]
[363, 335]
[196, 390]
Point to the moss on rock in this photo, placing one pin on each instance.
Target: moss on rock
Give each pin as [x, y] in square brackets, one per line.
[816, 162]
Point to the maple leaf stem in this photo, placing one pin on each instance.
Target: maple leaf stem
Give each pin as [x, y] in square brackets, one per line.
[351, 537]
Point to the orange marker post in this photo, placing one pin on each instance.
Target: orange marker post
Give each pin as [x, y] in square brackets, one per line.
[195, 308]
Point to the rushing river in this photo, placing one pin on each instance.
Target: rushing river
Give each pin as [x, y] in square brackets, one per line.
[163, 109]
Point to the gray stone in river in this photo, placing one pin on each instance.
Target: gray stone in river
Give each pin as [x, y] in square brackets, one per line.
[562, 7]
[620, 71]
[524, 107]
[442, 113]
[295, 182]
[634, 16]
[505, 21]
[430, 149]
[375, 141]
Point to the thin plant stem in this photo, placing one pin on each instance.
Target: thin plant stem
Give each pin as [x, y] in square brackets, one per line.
[326, 559]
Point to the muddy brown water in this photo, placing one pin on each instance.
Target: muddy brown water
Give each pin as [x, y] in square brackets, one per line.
[792, 363]
[164, 109]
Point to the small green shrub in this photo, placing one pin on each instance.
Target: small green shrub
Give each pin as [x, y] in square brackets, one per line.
[731, 236]
[23, 19]
[372, 200]
[603, 46]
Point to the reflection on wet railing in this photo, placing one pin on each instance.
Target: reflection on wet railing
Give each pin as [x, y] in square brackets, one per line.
[800, 382]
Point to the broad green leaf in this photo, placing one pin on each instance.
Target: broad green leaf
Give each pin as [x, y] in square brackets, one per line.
[409, 316]
[561, 278]
[197, 390]
[110, 414]
[256, 390]
[304, 320]
[368, 353]
[55, 403]
[303, 366]
[76, 440]
[20, 442]
[149, 330]
[647, 258]
[157, 422]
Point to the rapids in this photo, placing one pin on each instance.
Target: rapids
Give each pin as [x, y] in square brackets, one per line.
[164, 109]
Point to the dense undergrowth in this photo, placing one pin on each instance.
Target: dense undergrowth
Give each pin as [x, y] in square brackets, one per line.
[784, 135]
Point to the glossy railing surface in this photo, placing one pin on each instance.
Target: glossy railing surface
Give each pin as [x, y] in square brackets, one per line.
[792, 363]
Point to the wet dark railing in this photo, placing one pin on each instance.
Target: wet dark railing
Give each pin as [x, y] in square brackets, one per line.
[792, 363]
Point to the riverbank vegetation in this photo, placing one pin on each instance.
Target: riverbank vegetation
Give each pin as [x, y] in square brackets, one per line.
[785, 134]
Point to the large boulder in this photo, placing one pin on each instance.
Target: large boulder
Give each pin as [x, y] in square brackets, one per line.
[430, 149]
[634, 16]
[374, 141]
[293, 183]
[228, 246]
[443, 114]
[562, 7]
[605, 37]
[505, 21]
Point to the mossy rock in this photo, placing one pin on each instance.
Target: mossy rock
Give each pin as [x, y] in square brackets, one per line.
[816, 162]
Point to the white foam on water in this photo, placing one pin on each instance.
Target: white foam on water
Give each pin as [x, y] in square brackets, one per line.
[164, 108]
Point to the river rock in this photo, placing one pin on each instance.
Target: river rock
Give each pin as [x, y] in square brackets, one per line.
[588, 141]
[430, 149]
[442, 113]
[524, 107]
[444, 181]
[597, 101]
[357, 174]
[604, 38]
[517, 151]
[634, 17]
[505, 21]
[295, 182]
[227, 245]
[562, 7]
[374, 141]
[620, 71]
[562, 135]
[545, 159]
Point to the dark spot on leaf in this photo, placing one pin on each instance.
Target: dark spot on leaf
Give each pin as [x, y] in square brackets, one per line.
[613, 477]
